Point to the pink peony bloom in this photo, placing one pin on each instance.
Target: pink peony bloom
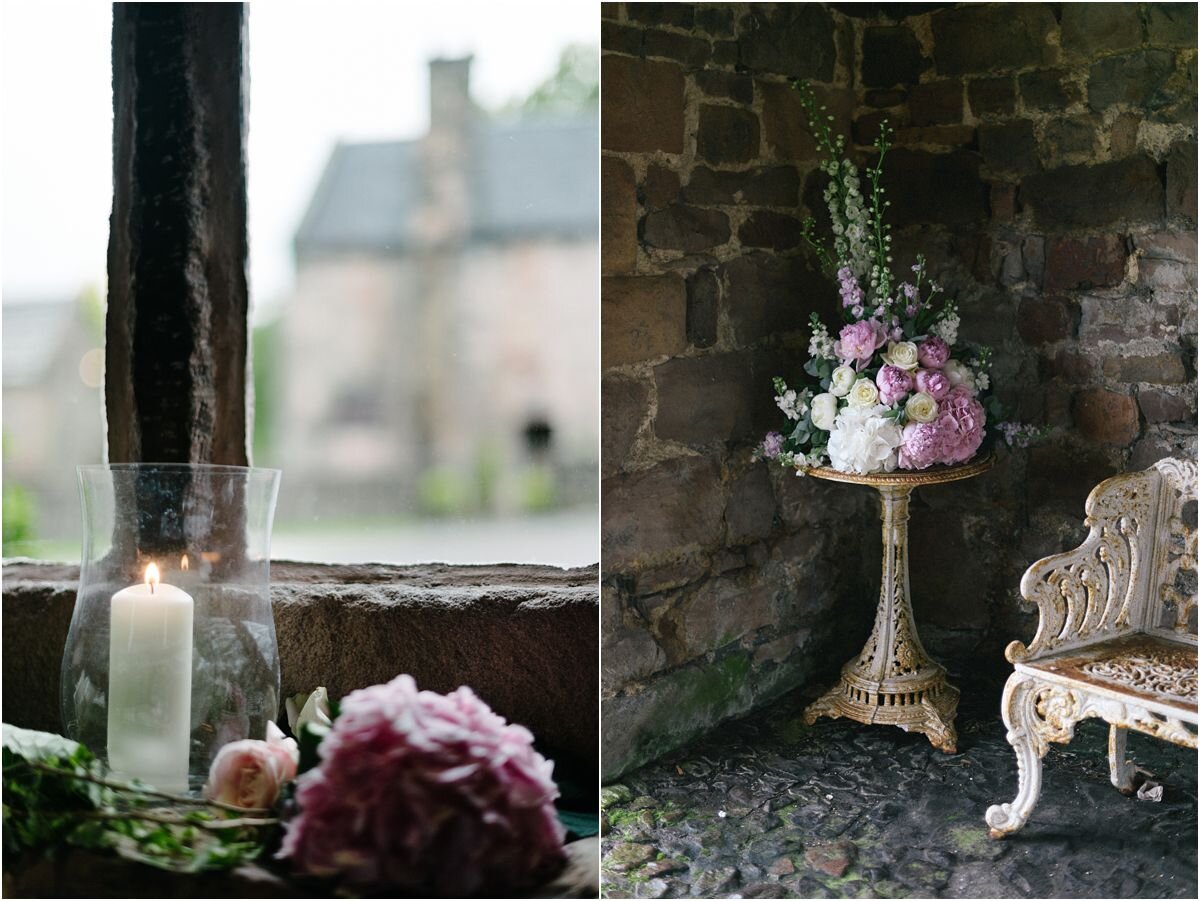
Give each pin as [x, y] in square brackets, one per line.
[961, 423]
[894, 383]
[932, 382]
[858, 341]
[932, 353]
[430, 792]
[251, 773]
[921, 446]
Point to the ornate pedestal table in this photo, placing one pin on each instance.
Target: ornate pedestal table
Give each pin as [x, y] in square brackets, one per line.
[893, 681]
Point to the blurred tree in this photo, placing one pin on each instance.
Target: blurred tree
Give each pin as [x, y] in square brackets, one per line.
[264, 342]
[574, 88]
[18, 514]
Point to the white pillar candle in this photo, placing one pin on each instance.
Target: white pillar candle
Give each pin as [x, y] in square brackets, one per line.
[150, 683]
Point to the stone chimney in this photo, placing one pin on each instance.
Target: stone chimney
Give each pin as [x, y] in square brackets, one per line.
[447, 152]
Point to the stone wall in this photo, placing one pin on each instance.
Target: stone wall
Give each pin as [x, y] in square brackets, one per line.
[1045, 162]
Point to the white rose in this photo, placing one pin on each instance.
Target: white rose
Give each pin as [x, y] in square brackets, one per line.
[921, 407]
[842, 381]
[902, 355]
[863, 394]
[824, 411]
[958, 374]
[862, 441]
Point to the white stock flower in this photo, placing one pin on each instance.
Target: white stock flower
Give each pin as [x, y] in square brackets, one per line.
[902, 355]
[946, 329]
[842, 381]
[921, 407]
[863, 394]
[824, 411]
[863, 441]
[959, 374]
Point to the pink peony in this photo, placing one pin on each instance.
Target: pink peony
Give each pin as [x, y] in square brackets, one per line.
[894, 383]
[251, 773]
[932, 353]
[933, 382]
[419, 790]
[922, 445]
[858, 341]
[961, 423]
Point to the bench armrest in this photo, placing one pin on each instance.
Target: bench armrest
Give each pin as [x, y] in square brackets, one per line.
[1091, 593]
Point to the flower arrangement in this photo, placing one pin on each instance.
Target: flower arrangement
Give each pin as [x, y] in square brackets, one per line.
[895, 388]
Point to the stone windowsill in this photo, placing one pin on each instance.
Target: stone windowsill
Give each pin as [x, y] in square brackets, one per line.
[525, 638]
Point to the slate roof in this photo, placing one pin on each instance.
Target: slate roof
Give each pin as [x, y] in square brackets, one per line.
[528, 178]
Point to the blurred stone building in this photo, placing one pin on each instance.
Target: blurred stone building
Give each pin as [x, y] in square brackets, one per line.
[444, 314]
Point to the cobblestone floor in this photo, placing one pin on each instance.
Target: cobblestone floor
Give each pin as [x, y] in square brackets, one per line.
[769, 808]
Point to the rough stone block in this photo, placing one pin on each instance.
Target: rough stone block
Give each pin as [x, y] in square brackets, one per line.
[679, 15]
[660, 187]
[643, 105]
[995, 96]
[1167, 276]
[1122, 136]
[1175, 246]
[1089, 28]
[884, 99]
[669, 509]
[943, 135]
[1181, 180]
[618, 217]
[866, 127]
[1138, 79]
[703, 305]
[943, 188]
[986, 39]
[705, 400]
[727, 135]
[1003, 201]
[641, 318]
[784, 123]
[617, 38]
[891, 55]
[1043, 321]
[687, 228]
[691, 51]
[724, 609]
[634, 655]
[1163, 406]
[1082, 196]
[1171, 24]
[1072, 366]
[936, 103]
[1158, 369]
[1062, 477]
[769, 295]
[1085, 262]
[1106, 417]
[523, 637]
[1009, 146]
[750, 512]
[731, 85]
[623, 407]
[793, 39]
[716, 20]
[1069, 140]
[1047, 89]
[1128, 318]
[767, 229]
[770, 186]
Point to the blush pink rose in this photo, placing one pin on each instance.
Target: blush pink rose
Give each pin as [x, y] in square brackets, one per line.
[893, 383]
[932, 353]
[251, 773]
[933, 382]
[858, 341]
[960, 422]
[921, 446]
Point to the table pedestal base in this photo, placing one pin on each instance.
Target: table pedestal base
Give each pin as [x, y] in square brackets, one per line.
[893, 681]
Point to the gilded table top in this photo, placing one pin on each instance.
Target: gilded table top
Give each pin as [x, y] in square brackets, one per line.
[934, 475]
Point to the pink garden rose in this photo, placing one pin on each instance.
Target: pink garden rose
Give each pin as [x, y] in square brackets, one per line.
[894, 383]
[961, 423]
[429, 792]
[251, 773]
[933, 353]
[933, 382]
[858, 341]
[921, 446]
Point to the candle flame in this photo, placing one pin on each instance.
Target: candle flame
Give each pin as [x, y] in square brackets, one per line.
[183, 563]
[152, 576]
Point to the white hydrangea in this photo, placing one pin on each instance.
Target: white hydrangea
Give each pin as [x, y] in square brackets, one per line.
[863, 441]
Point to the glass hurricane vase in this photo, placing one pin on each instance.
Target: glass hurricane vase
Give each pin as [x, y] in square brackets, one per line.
[172, 650]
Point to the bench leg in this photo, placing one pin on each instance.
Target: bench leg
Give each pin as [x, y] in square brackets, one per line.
[1120, 770]
[1019, 712]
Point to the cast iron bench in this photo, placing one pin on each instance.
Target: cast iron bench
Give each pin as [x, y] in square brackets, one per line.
[1117, 632]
